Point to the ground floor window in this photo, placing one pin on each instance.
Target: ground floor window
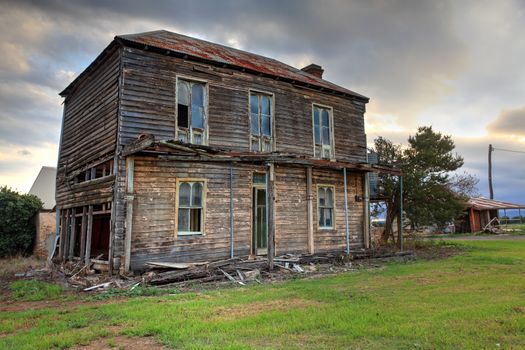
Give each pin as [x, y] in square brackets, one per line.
[190, 211]
[325, 195]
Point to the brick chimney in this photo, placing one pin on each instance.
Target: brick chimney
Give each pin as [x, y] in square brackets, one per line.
[314, 69]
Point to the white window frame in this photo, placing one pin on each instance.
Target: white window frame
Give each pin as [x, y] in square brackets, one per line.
[331, 119]
[205, 134]
[326, 228]
[178, 183]
[272, 119]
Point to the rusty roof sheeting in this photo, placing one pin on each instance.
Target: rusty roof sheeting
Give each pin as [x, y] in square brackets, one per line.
[481, 203]
[229, 56]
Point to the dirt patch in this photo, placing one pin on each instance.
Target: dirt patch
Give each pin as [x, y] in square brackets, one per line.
[122, 342]
[62, 305]
[252, 309]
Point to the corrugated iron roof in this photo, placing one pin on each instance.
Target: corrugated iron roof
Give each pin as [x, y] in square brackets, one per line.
[481, 203]
[229, 56]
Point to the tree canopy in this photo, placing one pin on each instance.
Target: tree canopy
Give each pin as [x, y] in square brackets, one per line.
[431, 195]
[17, 230]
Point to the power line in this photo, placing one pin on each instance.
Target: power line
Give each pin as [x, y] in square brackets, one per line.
[507, 150]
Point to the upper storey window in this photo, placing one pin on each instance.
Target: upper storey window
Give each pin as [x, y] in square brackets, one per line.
[323, 132]
[192, 121]
[261, 122]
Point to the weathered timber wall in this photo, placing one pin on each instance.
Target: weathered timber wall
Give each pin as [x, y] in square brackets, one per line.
[148, 106]
[328, 240]
[154, 212]
[89, 133]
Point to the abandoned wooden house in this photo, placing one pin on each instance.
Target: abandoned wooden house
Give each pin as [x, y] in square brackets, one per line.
[177, 149]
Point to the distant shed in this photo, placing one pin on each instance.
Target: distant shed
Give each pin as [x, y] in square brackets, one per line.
[482, 212]
[45, 219]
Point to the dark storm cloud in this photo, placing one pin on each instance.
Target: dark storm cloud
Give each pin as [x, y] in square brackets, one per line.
[510, 121]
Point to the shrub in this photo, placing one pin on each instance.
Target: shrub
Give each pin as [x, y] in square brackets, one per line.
[17, 230]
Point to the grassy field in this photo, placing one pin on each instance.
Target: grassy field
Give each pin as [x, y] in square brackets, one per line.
[472, 301]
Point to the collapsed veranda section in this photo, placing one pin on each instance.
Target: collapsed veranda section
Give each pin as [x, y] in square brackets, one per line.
[173, 148]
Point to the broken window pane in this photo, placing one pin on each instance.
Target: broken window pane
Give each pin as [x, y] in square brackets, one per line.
[329, 197]
[195, 220]
[182, 116]
[184, 194]
[183, 220]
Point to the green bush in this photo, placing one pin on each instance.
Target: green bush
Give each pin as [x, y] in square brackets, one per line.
[17, 230]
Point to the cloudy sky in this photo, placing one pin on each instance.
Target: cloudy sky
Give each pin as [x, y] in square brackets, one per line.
[456, 65]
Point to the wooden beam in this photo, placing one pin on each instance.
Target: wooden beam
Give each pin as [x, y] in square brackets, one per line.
[67, 233]
[87, 257]
[270, 209]
[62, 234]
[72, 233]
[309, 199]
[130, 170]
[83, 233]
[366, 210]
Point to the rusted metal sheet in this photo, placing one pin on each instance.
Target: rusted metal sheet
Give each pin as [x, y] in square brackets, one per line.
[228, 56]
[481, 203]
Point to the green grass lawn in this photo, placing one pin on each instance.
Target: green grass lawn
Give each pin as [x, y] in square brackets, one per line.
[472, 301]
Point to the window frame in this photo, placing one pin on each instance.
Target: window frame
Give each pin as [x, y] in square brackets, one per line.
[206, 107]
[332, 138]
[326, 228]
[272, 119]
[178, 183]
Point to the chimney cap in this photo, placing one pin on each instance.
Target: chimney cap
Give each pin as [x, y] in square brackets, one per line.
[314, 69]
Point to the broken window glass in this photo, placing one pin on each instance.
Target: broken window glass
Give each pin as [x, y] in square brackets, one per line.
[191, 111]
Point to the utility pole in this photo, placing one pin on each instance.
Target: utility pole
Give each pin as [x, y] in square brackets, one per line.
[491, 190]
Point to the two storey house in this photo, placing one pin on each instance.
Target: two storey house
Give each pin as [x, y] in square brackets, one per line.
[178, 149]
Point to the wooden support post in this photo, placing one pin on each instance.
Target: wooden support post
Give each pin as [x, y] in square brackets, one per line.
[73, 233]
[231, 213]
[347, 234]
[400, 217]
[309, 199]
[83, 233]
[130, 169]
[366, 210]
[67, 234]
[270, 215]
[87, 257]
[62, 234]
